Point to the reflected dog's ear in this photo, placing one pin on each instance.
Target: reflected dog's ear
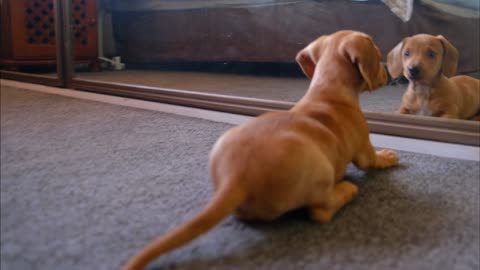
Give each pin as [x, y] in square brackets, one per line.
[362, 52]
[450, 57]
[394, 60]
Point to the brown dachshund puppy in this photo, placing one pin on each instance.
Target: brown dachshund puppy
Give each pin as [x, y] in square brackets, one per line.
[428, 62]
[286, 160]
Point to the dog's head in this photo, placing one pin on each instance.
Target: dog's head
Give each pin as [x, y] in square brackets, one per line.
[421, 58]
[355, 50]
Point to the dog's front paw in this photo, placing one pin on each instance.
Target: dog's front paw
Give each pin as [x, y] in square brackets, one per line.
[386, 158]
[403, 110]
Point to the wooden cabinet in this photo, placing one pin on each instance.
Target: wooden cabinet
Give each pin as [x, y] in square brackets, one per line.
[28, 32]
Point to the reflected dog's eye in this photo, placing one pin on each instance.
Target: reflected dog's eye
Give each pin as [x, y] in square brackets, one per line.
[406, 53]
[431, 54]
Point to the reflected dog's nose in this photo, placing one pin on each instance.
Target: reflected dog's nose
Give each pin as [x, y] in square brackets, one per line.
[414, 71]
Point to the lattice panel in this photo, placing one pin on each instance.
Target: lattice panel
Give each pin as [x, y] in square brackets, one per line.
[80, 22]
[40, 21]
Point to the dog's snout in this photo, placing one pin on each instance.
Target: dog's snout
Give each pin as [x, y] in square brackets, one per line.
[414, 71]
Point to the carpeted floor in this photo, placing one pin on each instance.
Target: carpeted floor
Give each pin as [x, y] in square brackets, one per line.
[84, 185]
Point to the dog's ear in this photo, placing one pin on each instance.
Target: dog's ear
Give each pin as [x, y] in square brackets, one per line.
[450, 57]
[306, 62]
[365, 55]
[394, 60]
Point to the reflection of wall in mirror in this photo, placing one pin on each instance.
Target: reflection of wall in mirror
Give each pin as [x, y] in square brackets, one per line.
[261, 34]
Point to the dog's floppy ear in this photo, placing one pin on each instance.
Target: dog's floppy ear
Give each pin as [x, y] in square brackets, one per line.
[306, 62]
[362, 52]
[394, 60]
[450, 57]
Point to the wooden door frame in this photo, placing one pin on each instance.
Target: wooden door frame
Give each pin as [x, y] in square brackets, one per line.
[65, 49]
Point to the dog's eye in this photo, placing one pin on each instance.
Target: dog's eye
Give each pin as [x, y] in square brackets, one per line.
[406, 53]
[431, 54]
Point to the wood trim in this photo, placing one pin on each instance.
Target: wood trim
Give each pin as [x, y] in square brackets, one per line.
[416, 131]
[425, 122]
[453, 131]
[30, 78]
[231, 104]
[5, 40]
[65, 54]
[10, 62]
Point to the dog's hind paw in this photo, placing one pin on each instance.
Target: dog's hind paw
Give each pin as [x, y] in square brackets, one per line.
[343, 193]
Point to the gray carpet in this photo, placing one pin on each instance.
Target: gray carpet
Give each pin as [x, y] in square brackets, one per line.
[84, 185]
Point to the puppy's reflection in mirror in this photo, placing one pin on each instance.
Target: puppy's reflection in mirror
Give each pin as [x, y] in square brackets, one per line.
[428, 63]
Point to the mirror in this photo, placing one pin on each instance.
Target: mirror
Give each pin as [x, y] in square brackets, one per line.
[247, 48]
[29, 42]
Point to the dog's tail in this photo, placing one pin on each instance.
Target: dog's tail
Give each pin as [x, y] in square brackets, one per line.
[225, 201]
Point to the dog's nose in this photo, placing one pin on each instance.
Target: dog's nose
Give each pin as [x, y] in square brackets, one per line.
[414, 71]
